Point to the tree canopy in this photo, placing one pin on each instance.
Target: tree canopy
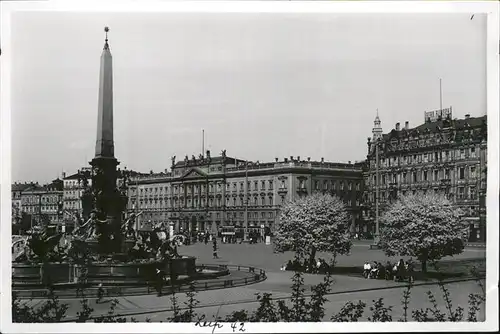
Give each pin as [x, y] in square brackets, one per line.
[428, 227]
[315, 223]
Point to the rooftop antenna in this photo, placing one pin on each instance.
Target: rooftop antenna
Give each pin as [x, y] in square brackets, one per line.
[440, 95]
[203, 142]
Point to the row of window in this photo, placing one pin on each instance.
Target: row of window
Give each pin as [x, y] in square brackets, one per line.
[196, 203]
[73, 193]
[235, 186]
[251, 224]
[72, 205]
[329, 185]
[235, 215]
[38, 199]
[426, 175]
[240, 201]
[195, 188]
[36, 209]
[438, 156]
[462, 193]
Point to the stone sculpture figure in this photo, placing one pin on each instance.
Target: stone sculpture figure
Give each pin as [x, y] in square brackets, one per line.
[127, 227]
[89, 230]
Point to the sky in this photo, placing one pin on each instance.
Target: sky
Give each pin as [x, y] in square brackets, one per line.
[260, 85]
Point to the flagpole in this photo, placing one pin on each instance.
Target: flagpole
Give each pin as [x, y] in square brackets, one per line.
[440, 95]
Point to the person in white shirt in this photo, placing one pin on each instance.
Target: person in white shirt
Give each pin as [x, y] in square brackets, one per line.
[366, 269]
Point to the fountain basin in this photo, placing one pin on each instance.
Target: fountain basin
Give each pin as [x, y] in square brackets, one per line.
[99, 272]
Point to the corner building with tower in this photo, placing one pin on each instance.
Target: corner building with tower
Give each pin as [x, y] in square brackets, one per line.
[229, 196]
[442, 155]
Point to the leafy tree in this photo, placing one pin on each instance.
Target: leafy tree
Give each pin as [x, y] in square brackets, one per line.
[51, 310]
[427, 227]
[350, 312]
[315, 223]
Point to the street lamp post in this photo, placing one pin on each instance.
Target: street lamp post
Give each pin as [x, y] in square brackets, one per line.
[376, 238]
[60, 220]
[245, 232]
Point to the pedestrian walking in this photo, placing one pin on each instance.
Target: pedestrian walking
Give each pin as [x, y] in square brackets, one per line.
[216, 256]
[400, 271]
[388, 271]
[160, 276]
[100, 293]
[409, 271]
[79, 290]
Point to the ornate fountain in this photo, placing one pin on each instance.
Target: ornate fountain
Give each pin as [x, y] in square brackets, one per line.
[104, 247]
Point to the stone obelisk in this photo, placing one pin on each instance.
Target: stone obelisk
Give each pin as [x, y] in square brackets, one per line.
[108, 201]
[105, 147]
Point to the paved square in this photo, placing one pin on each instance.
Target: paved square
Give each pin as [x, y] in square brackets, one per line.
[345, 288]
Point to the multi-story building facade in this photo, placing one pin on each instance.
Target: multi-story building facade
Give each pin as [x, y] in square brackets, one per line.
[16, 192]
[442, 155]
[72, 196]
[223, 193]
[44, 203]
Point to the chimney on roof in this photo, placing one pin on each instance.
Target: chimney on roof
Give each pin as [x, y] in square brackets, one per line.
[298, 158]
[291, 158]
[467, 116]
[63, 175]
[349, 162]
[322, 159]
[308, 158]
[407, 125]
[276, 159]
[286, 159]
[397, 126]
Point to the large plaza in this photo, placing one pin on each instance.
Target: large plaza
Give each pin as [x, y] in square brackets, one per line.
[222, 302]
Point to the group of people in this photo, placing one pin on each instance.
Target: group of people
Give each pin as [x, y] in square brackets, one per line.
[320, 266]
[400, 271]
